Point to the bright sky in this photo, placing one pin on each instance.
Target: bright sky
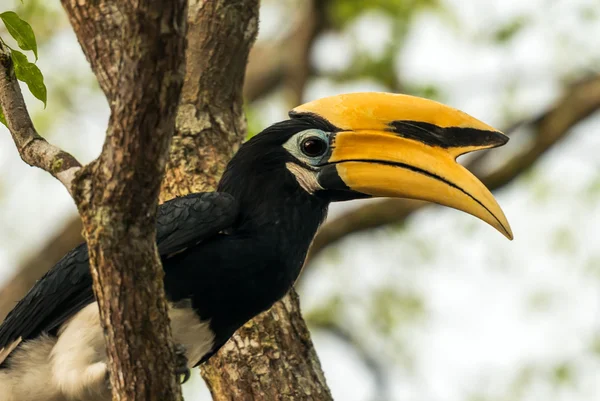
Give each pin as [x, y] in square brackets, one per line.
[502, 319]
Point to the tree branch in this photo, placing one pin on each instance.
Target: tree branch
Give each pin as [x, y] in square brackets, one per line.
[33, 149]
[98, 29]
[210, 119]
[579, 102]
[286, 61]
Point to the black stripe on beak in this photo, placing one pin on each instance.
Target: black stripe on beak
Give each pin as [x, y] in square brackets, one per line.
[449, 137]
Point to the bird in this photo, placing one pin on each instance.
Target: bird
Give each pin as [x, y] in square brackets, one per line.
[231, 254]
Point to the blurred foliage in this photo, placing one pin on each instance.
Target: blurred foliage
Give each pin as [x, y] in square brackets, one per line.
[46, 17]
[562, 374]
[509, 30]
[590, 13]
[391, 308]
[343, 12]
[563, 240]
[366, 66]
[592, 266]
[418, 250]
[326, 313]
[541, 300]
[595, 347]
[429, 91]
[255, 124]
[592, 192]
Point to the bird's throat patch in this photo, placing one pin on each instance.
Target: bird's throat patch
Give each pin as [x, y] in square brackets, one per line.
[306, 179]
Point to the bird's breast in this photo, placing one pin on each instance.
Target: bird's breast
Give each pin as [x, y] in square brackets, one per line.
[191, 331]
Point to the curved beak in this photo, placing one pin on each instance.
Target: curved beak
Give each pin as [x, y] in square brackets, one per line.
[405, 147]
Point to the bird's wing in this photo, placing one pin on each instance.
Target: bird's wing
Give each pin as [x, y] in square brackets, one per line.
[61, 292]
[67, 287]
[185, 221]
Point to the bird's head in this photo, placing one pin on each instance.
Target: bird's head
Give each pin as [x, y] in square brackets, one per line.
[378, 145]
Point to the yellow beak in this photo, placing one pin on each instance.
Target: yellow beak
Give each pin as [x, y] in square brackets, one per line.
[403, 146]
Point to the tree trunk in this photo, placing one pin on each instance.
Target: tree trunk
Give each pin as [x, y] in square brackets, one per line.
[117, 194]
[210, 119]
[272, 357]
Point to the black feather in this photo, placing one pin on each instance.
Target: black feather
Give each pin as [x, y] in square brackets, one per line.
[67, 287]
[232, 253]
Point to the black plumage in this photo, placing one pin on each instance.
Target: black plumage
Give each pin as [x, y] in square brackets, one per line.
[232, 253]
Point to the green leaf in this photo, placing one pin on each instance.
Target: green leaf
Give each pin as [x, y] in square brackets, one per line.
[510, 30]
[21, 31]
[2, 118]
[30, 74]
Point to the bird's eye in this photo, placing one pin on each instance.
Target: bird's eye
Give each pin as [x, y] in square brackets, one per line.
[313, 146]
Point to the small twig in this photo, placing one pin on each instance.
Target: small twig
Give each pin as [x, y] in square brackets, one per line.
[34, 149]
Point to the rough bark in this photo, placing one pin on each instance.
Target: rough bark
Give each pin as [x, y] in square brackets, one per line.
[98, 26]
[270, 358]
[117, 194]
[263, 357]
[210, 118]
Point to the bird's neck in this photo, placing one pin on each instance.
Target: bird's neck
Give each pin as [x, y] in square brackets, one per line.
[266, 247]
[288, 223]
[279, 214]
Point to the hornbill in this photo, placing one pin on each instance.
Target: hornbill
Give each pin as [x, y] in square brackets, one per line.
[229, 255]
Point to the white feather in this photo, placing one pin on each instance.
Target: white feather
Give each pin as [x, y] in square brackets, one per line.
[72, 366]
